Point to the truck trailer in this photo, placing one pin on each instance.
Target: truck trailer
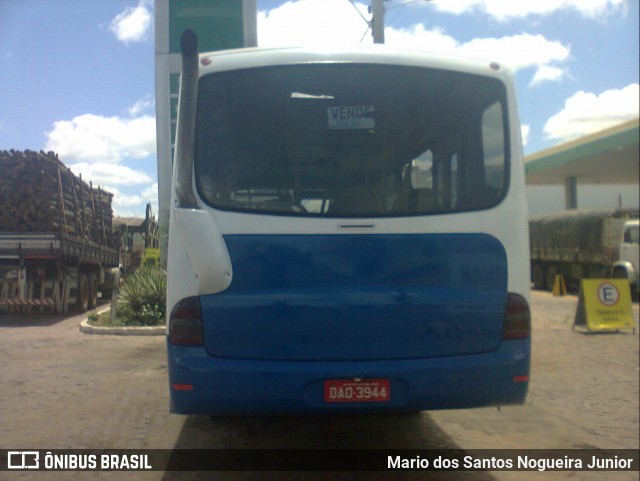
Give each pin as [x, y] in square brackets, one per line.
[580, 244]
[57, 248]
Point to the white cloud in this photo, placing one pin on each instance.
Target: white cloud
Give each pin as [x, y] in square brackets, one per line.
[417, 37]
[517, 51]
[99, 148]
[547, 73]
[109, 174]
[125, 205]
[133, 23]
[336, 23]
[503, 10]
[586, 112]
[94, 138]
[133, 205]
[150, 194]
[330, 23]
[141, 106]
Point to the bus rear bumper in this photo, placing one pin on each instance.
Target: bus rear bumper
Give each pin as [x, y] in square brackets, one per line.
[200, 384]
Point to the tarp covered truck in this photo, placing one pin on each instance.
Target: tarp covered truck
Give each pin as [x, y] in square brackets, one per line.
[581, 244]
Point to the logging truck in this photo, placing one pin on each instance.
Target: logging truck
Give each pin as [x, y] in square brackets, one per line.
[57, 249]
[584, 244]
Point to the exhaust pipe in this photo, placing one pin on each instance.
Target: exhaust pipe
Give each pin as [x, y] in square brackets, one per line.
[185, 135]
[209, 261]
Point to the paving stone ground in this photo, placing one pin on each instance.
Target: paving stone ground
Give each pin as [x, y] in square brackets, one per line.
[60, 389]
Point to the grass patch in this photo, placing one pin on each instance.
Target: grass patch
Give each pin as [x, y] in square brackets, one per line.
[104, 320]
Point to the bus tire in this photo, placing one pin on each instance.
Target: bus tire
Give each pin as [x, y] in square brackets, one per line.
[620, 273]
[552, 272]
[538, 276]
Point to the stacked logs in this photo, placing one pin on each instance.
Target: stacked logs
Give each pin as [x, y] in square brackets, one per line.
[38, 193]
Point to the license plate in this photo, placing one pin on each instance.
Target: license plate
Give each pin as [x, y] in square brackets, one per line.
[356, 390]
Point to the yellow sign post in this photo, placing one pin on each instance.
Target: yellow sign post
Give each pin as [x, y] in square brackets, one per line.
[605, 305]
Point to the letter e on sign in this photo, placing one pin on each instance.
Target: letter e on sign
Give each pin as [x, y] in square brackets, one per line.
[608, 294]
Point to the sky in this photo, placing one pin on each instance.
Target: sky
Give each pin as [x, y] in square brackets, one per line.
[77, 76]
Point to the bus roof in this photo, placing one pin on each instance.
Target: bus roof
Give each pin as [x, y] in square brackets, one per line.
[378, 54]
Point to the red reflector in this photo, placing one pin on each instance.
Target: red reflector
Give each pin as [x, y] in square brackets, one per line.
[523, 378]
[183, 387]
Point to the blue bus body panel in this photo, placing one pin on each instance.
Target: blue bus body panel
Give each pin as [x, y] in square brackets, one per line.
[228, 386]
[358, 297]
[423, 311]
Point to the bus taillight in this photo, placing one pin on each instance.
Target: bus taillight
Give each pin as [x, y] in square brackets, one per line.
[185, 323]
[517, 318]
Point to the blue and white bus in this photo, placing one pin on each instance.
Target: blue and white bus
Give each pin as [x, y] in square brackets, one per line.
[348, 233]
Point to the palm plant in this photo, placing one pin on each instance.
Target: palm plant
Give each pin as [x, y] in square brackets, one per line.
[142, 297]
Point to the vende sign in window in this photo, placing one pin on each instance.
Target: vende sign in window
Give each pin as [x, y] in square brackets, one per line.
[353, 117]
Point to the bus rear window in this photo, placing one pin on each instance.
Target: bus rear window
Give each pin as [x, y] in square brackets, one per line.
[351, 140]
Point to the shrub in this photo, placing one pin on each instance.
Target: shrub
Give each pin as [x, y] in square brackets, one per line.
[143, 296]
[151, 257]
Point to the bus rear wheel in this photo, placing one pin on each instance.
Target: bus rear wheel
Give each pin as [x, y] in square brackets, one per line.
[552, 272]
[538, 277]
